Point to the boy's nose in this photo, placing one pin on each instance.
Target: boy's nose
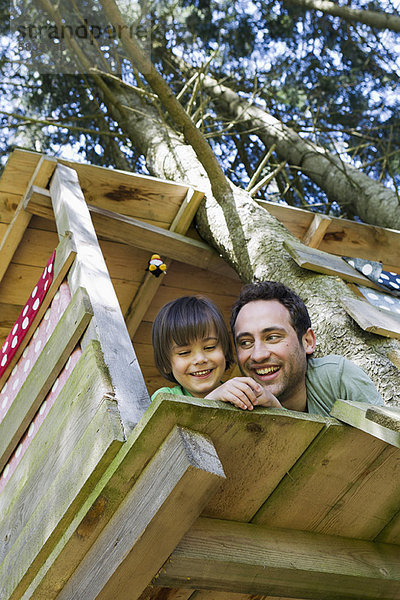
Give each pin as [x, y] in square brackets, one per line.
[199, 357]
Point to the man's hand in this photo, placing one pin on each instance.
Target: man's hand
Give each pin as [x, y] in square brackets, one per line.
[245, 393]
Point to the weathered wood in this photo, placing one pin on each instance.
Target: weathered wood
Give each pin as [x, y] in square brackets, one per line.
[65, 460]
[143, 532]
[339, 456]
[371, 318]
[90, 271]
[343, 237]
[316, 231]
[44, 372]
[65, 256]
[245, 558]
[140, 234]
[322, 262]
[21, 218]
[243, 442]
[387, 416]
[354, 414]
[150, 285]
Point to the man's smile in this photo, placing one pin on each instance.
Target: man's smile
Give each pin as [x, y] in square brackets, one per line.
[266, 370]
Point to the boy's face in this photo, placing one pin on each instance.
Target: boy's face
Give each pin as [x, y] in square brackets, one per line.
[199, 366]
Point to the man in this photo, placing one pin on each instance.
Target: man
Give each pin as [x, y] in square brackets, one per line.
[274, 342]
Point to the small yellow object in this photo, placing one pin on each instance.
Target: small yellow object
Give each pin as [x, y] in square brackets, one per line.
[156, 266]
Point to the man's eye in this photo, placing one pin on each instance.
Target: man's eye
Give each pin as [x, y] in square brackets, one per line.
[274, 337]
[245, 343]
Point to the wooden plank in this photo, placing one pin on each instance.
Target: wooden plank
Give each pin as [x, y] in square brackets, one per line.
[65, 256]
[181, 477]
[252, 437]
[343, 237]
[83, 438]
[44, 372]
[90, 271]
[387, 416]
[21, 218]
[354, 414]
[150, 285]
[371, 318]
[316, 231]
[117, 227]
[321, 262]
[245, 558]
[339, 456]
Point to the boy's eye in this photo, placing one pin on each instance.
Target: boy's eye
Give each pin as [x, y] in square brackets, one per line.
[183, 352]
[210, 347]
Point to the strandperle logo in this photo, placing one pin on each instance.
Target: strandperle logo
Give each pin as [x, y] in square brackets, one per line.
[84, 31]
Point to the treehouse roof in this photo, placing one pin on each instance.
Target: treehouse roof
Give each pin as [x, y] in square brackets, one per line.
[103, 495]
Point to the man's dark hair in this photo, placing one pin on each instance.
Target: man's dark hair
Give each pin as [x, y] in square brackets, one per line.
[181, 322]
[273, 290]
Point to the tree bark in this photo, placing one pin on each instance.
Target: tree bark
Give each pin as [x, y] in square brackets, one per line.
[250, 239]
[377, 20]
[350, 188]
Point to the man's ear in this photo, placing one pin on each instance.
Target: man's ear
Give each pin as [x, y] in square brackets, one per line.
[309, 341]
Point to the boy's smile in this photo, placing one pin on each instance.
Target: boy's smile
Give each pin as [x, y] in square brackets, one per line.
[199, 365]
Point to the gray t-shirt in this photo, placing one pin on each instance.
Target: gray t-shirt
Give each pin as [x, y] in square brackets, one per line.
[332, 377]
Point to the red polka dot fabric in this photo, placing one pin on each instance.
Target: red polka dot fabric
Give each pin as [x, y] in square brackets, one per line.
[21, 371]
[24, 321]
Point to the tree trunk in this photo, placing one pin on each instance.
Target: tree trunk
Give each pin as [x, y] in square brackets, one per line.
[250, 239]
[351, 189]
[377, 20]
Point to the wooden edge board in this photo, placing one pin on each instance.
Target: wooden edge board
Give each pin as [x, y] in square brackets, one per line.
[114, 227]
[144, 530]
[246, 558]
[44, 372]
[90, 271]
[387, 416]
[354, 414]
[68, 461]
[21, 218]
[371, 318]
[328, 264]
[65, 256]
[163, 414]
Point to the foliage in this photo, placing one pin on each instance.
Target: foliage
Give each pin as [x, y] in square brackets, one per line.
[333, 82]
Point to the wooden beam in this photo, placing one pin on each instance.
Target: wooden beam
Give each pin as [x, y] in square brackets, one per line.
[90, 271]
[127, 230]
[316, 231]
[371, 318]
[44, 372]
[354, 414]
[245, 558]
[167, 498]
[21, 218]
[387, 416]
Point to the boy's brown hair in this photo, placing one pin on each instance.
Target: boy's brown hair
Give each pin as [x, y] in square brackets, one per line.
[182, 321]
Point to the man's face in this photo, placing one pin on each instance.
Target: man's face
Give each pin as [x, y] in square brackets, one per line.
[269, 351]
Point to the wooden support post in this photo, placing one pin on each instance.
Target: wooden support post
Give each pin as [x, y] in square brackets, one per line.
[21, 218]
[167, 498]
[316, 231]
[245, 558]
[90, 271]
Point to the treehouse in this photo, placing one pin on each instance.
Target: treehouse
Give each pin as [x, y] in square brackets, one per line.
[104, 495]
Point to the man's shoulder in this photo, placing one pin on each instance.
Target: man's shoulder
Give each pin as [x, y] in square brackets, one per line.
[334, 360]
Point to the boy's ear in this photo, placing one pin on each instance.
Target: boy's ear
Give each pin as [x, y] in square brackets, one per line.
[309, 341]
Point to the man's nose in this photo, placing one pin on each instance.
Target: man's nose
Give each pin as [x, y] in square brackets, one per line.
[260, 351]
